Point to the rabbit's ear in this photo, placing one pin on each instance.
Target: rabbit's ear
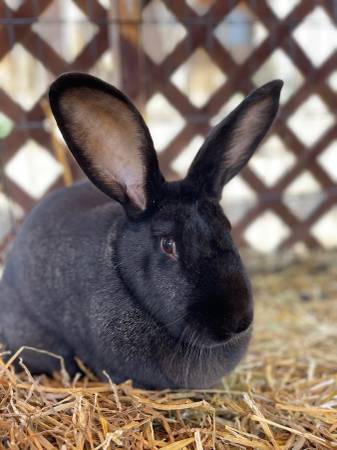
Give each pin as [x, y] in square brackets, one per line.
[108, 138]
[232, 142]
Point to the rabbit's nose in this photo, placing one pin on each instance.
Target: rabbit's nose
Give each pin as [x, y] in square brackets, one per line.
[243, 323]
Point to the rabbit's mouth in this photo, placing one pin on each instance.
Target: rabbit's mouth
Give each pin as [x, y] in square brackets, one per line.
[220, 328]
[214, 336]
[230, 338]
[207, 331]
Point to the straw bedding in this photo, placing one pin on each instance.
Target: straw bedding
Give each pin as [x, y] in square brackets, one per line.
[282, 396]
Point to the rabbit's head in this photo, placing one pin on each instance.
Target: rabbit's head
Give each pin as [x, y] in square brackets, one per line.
[174, 251]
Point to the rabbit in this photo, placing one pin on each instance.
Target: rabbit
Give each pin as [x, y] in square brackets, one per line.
[134, 275]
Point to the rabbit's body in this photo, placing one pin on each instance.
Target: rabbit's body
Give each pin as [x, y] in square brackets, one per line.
[148, 287]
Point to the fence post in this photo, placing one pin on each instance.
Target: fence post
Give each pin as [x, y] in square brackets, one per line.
[125, 34]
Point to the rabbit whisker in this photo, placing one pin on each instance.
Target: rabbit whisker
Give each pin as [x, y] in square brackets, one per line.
[178, 347]
[165, 325]
[191, 349]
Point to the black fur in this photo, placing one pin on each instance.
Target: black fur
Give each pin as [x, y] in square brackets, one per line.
[85, 279]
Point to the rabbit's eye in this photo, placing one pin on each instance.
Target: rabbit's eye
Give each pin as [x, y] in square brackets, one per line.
[168, 246]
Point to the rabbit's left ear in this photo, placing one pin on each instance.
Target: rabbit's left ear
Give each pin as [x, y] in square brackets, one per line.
[232, 142]
[109, 139]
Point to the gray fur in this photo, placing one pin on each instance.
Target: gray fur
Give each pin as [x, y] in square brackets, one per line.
[60, 292]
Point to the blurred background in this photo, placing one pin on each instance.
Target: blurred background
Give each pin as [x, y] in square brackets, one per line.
[186, 64]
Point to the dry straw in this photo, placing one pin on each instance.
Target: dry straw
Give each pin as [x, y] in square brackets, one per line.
[282, 396]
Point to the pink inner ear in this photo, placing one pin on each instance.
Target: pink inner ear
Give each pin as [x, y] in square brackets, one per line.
[246, 131]
[136, 194]
[106, 131]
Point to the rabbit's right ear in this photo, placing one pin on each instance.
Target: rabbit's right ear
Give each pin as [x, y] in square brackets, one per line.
[230, 144]
[109, 139]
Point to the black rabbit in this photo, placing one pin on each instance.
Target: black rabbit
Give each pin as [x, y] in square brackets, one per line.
[139, 277]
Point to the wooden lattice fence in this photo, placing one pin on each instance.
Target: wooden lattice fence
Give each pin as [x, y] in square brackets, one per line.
[127, 39]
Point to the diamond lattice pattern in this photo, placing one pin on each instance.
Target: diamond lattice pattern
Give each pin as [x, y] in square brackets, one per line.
[186, 64]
